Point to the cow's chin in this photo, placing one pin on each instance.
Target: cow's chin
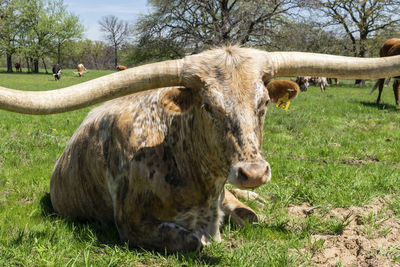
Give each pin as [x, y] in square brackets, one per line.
[249, 175]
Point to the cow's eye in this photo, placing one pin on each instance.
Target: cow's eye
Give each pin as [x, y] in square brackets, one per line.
[262, 104]
[207, 107]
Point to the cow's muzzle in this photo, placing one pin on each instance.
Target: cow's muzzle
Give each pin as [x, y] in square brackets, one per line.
[248, 175]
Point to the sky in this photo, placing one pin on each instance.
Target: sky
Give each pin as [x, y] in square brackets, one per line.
[91, 11]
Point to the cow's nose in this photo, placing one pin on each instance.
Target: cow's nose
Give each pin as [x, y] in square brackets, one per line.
[254, 174]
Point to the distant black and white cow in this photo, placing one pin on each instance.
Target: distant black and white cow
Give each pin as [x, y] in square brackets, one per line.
[305, 81]
[57, 71]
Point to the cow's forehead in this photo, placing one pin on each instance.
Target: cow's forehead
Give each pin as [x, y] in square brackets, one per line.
[242, 94]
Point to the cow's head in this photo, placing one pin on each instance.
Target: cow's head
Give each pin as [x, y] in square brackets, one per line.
[57, 75]
[303, 82]
[57, 72]
[229, 100]
[225, 87]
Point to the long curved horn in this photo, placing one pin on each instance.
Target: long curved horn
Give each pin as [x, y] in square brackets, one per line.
[311, 64]
[162, 74]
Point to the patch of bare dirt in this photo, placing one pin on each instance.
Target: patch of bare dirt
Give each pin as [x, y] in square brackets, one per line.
[371, 238]
[353, 162]
[359, 162]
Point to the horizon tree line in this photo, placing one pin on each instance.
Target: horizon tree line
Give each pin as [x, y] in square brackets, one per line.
[37, 30]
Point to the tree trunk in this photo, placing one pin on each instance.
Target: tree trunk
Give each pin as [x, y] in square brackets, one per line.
[44, 65]
[58, 54]
[115, 56]
[9, 63]
[31, 63]
[36, 65]
[361, 53]
[27, 64]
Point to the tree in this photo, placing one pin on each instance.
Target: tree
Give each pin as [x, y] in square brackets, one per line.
[203, 23]
[68, 27]
[116, 33]
[48, 26]
[9, 30]
[361, 18]
[152, 50]
[305, 36]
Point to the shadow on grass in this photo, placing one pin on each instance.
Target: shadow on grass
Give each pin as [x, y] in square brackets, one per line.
[389, 107]
[107, 234]
[199, 258]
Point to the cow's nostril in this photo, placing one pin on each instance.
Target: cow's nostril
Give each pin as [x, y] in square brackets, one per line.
[242, 176]
[252, 171]
[253, 174]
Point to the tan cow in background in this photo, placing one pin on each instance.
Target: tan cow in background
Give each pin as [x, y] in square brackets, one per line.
[81, 69]
[121, 67]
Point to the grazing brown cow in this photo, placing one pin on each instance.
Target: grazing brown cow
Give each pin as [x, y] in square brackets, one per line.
[155, 163]
[389, 48]
[121, 67]
[18, 67]
[277, 89]
[81, 69]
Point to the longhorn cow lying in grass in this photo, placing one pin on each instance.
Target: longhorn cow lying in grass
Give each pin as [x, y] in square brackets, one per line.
[389, 48]
[155, 162]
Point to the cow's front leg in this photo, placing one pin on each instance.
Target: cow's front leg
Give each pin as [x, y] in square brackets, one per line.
[396, 86]
[140, 225]
[165, 236]
[239, 213]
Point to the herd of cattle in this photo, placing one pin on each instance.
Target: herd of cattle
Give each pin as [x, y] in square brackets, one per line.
[80, 70]
[154, 160]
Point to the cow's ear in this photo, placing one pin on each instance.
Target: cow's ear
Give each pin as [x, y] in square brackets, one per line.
[178, 100]
[281, 88]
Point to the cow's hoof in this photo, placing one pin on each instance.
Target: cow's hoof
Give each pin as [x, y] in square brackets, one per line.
[246, 215]
[175, 238]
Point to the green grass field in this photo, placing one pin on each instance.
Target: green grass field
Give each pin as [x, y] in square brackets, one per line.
[330, 150]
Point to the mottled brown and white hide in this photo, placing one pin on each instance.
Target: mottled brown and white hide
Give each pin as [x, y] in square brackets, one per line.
[155, 163]
[389, 48]
[81, 69]
[305, 81]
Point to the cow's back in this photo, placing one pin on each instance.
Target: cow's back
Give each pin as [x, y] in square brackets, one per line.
[108, 137]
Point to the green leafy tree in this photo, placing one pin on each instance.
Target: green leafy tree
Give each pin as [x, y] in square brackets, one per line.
[151, 50]
[68, 27]
[48, 26]
[9, 30]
